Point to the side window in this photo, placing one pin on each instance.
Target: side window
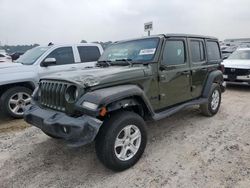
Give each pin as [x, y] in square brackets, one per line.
[63, 56]
[213, 52]
[197, 51]
[89, 53]
[1, 55]
[174, 53]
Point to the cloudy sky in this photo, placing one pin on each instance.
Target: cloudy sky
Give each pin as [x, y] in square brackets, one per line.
[70, 21]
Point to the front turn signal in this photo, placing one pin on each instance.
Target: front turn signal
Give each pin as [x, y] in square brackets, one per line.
[103, 111]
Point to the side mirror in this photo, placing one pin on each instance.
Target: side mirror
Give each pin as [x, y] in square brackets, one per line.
[48, 61]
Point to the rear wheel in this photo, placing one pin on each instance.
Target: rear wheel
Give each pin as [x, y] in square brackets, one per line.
[212, 106]
[14, 101]
[121, 140]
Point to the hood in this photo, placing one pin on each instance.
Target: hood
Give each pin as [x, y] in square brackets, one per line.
[98, 76]
[235, 63]
[8, 68]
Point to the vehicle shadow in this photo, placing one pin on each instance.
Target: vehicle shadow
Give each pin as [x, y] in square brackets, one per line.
[238, 87]
[4, 118]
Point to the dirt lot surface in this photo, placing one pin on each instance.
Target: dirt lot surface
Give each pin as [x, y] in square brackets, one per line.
[185, 150]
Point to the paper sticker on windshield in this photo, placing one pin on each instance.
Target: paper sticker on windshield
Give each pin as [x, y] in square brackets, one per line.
[147, 51]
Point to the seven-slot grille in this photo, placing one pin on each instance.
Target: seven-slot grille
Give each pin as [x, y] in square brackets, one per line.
[53, 94]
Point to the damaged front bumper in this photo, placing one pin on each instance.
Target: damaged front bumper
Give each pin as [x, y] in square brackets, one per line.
[77, 131]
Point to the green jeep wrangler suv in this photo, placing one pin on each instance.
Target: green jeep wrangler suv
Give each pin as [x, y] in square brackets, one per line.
[133, 82]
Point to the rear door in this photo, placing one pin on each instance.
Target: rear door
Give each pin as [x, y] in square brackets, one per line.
[88, 55]
[199, 67]
[174, 73]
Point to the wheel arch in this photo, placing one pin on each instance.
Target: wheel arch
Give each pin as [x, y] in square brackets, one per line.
[125, 97]
[133, 103]
[214, 77]
[5, 87]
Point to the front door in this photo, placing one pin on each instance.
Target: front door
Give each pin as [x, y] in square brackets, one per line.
[174, 73]
[64, 61]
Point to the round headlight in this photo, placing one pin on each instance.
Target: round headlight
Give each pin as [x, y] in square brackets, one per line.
[71, 94]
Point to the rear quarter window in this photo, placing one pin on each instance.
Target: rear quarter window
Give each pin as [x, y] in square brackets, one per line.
[213, 51]
[89, 53]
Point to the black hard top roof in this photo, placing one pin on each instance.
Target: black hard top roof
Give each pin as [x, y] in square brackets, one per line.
[189, 36]
[172, 35]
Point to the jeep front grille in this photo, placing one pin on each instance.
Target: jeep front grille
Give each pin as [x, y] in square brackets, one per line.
[52, 94]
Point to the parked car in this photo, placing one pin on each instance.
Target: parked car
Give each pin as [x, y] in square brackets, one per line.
[237, 66]
[136, 81]
[18, 80]
[5, 58]
[227, 51]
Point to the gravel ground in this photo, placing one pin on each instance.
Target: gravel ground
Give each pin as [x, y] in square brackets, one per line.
[185, 150]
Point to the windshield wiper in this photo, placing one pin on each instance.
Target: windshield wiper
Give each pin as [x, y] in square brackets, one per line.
[128, 61]
[103, 63]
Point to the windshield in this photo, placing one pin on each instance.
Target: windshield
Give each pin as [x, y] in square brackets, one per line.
[141, 50]
[240, 54]
[32, 55]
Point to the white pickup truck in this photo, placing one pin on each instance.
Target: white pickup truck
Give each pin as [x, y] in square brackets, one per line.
[19, 79]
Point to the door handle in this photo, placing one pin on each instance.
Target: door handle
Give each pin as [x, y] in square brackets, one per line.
[162, 77]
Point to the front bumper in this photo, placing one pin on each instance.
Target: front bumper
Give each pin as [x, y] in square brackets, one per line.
[235, 78]
[77, 131]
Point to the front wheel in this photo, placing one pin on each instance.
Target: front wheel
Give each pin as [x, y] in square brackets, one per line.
[121, 140]
[212, 106]
[14, 101]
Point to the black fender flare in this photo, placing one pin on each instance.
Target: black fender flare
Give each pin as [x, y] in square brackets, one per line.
[214, 77]
[117, 96]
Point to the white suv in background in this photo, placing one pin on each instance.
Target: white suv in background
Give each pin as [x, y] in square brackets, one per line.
[237, 66]
[4, 58]
[19, 79]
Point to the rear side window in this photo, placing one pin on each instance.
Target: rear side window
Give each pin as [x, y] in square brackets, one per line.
[89, 53]
[197, 51]
[213, 52]
[63, 56]
[174, 53]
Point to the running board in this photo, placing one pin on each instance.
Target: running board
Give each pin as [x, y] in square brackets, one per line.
[170, 111]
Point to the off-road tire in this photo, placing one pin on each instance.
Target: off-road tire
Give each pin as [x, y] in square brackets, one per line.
[105, 141]
[6, 97]
[206, 109]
